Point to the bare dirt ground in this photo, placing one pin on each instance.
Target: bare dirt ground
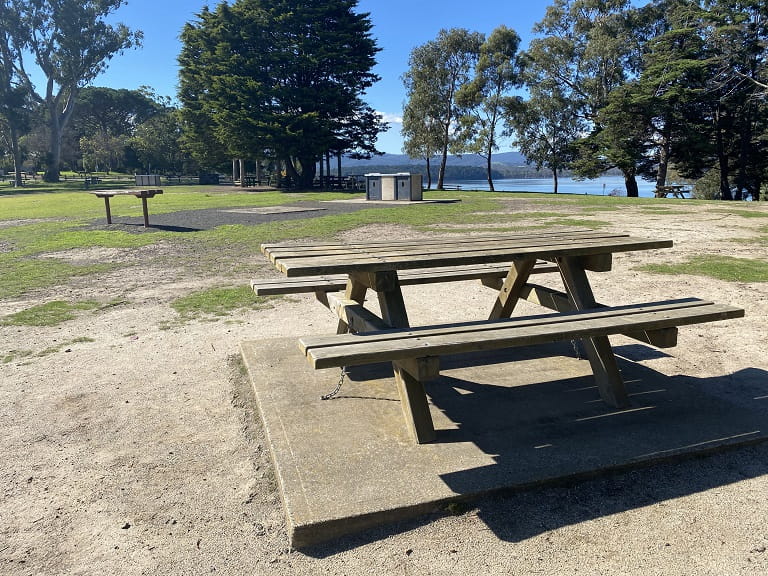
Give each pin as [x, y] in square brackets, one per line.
[130, 445]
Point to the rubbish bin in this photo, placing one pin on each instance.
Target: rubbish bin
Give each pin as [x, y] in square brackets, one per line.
[373, 186]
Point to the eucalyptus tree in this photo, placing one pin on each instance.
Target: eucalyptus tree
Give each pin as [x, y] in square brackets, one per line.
[488, 98]
[103, 122]
[71, 44]
[546, 126]
[114, 111]
[281, 79]
[422, 134]
[15, 104]
[436, 71]
[157, 142]
[587, 49]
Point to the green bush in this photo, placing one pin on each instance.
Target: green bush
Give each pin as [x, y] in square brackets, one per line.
[708, 186]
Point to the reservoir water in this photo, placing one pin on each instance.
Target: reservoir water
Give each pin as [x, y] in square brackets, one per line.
[604, 186]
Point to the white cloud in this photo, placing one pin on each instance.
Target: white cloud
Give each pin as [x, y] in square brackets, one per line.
[389, 117]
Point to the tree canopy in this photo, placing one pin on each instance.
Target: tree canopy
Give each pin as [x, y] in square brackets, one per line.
[71, 44]
[437, 70]
[278, 79]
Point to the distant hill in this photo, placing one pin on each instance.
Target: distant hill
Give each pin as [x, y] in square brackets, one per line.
[508, 158]
[466, 167]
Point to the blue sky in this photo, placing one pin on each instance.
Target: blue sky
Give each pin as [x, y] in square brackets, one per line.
[399, 26]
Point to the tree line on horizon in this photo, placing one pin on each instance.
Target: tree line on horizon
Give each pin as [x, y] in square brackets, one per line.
[672, 85]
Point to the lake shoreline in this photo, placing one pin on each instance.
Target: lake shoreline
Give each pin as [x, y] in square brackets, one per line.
[603, 186]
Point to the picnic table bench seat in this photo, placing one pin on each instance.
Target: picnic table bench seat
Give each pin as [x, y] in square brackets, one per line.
[417, 350]
[490, 274]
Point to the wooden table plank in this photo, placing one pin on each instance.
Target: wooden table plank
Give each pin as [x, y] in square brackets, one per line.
[504, 334]
[282, 251]
[319, 341]
[342, 251]
[366, 260]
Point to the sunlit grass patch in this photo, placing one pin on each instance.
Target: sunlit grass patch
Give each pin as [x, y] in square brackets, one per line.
[47, 204]
[744, 213]
[41, 237]
[48, 314]
[721, 267]
[216, 302]
[424, 215]
[20, 275]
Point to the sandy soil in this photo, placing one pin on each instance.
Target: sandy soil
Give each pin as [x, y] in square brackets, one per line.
[130, 443]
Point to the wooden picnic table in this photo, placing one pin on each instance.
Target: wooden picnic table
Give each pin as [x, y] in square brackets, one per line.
[375, 266]
[677, 191]
[142, 193]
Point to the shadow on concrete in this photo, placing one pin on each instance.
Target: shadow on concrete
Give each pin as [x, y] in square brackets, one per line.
[515, 515]
[699, 450]
[528, 443]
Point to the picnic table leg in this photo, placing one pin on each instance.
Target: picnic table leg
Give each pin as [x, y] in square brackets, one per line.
[145, 210]
[356, 291]
[601, 357]
[413, 397]
[109, 213]
[511, 289]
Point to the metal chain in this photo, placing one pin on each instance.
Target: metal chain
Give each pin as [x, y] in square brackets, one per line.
[338, 386]
[576, 349]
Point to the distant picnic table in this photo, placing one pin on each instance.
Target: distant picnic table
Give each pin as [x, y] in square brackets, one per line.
[143, 194]
[677, 191]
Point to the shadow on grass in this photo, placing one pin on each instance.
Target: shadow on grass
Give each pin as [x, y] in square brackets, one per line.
[137, 227]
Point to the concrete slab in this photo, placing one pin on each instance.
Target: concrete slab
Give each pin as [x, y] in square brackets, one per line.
[395, 202]
[266, 210]
[521, 418]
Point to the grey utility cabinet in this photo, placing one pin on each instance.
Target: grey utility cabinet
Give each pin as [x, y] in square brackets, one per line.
[400, 186]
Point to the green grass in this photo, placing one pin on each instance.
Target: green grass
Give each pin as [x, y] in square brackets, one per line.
[82, 206]
[422, 216]
[216, 302]
[41, 237]
[745, 213]
[40, 222]
[48, 314]
[19, 276]
[721, 267]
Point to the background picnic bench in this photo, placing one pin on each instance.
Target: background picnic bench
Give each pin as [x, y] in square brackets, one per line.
[142, 194]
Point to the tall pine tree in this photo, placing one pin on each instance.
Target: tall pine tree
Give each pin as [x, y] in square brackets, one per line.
[279, 79]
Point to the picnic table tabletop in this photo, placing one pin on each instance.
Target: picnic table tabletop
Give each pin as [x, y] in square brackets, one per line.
[142, 194]
[139, 193]
[332, 258]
